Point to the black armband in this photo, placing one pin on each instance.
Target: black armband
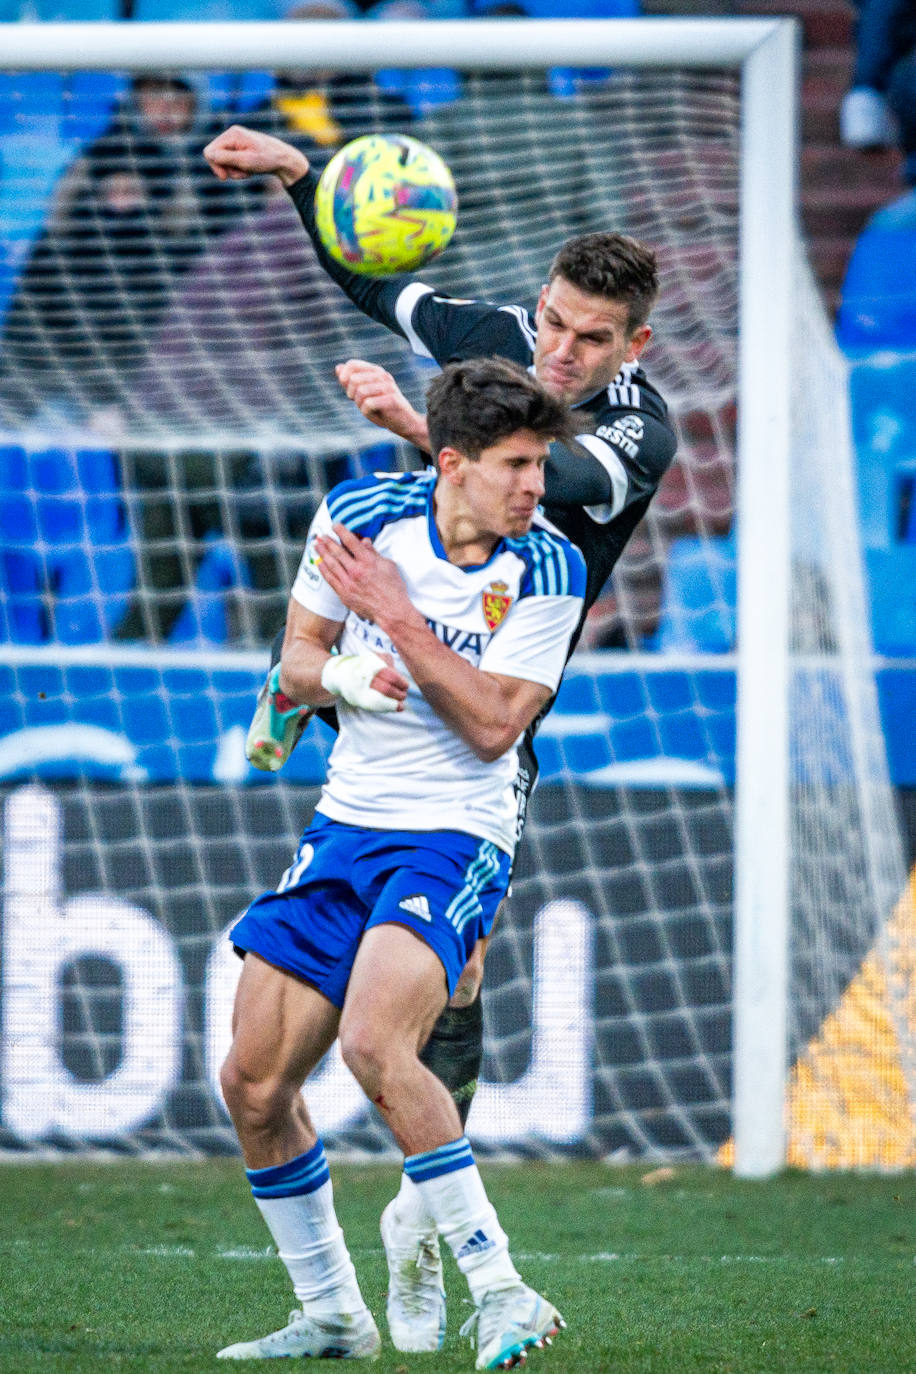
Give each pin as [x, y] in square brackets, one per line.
[574, 477]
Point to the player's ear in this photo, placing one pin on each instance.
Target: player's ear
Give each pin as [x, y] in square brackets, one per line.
[637, 342]
[542, 298]
[450, 463]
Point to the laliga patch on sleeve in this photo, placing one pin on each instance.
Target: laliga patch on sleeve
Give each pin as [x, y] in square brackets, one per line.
[309, 566]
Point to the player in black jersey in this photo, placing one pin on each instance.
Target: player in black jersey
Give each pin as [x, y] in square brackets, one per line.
[583, 343]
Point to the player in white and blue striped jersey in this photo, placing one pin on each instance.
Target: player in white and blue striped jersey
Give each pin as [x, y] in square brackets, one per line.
[435, 616]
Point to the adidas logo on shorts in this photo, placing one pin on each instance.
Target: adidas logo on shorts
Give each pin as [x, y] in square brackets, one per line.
[417, 906]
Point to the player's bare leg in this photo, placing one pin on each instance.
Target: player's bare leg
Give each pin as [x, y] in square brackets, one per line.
[396, 991]
[281, 1029]
[416, 1313]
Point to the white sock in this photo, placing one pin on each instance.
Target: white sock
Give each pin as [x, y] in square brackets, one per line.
[410, 1210]
[453, 1191]
[297, 1202]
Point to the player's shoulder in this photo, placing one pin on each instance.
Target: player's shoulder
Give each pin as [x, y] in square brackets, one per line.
[554, 566]
[470, 328]
[365, 504]
[632, 389]
[631, 415]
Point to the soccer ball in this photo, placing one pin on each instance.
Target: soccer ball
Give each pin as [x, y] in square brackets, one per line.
[385, 203]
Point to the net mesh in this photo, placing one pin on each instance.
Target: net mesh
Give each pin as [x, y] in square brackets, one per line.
[171, 422]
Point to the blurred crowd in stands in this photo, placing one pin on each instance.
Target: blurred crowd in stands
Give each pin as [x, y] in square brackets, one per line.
[135, 230]
[138, 295]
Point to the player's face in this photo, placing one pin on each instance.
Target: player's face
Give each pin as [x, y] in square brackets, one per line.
[582, 341]
[501, 490]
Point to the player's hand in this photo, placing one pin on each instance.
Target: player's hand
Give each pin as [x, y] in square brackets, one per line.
[367, 680]
[238, 153]
[366, 582]
[381, 400]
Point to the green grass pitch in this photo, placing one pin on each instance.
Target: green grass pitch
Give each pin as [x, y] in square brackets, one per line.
[151, 1267]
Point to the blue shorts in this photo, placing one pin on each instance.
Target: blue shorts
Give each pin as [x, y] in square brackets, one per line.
[443, 885]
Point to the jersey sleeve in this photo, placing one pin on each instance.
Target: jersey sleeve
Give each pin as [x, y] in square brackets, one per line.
[533, 641]
[376, 297]
[309, 588]
[618, 464]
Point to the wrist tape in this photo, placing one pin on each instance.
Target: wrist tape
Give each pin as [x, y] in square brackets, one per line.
[348, 676]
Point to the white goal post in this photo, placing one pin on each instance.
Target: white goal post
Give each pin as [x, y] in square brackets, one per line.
[765, 53]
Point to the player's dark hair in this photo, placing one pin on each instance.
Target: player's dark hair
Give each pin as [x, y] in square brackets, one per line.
[614, 266]
[474, 404]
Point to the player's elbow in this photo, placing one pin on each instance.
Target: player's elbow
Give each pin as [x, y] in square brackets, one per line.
[493, 740]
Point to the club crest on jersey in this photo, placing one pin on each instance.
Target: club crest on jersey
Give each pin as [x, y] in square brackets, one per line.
[496, 602]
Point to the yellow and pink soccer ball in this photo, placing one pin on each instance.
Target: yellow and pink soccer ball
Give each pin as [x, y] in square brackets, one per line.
[385, 204]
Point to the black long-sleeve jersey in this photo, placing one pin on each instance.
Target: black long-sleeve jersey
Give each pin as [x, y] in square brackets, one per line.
[599, 486]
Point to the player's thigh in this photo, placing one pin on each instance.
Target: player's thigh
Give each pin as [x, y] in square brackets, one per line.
[281, 1027]
[397, 990]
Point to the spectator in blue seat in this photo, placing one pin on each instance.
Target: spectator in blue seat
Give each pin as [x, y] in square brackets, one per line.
[879, 110]
[321, 110]
[127, 219]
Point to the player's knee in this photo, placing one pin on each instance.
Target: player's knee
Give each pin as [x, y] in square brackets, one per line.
[377, 1062]
[256, 1104]
[364, 1055]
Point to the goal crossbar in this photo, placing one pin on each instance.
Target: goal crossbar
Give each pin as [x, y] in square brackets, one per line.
[485, 44]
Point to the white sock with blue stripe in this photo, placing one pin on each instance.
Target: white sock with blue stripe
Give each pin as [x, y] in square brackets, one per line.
[410, 1208]
[297, 1202]
[453, 1192]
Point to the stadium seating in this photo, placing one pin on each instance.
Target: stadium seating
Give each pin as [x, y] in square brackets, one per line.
[699, 596]
[57, 11]
[883, 396]
[205, 614]
[35, 147]
[89, 100]
[878, 299]
[67, 565]
[207, 11]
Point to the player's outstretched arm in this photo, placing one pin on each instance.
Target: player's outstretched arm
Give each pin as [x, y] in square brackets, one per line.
[238, 153]
[379, 398]
[487, 710]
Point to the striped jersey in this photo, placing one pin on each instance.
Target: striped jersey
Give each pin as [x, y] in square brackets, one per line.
[513, 615]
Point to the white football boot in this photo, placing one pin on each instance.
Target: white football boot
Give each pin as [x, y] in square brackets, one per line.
[510, 1321]
[416, 1293]
[343, 1337]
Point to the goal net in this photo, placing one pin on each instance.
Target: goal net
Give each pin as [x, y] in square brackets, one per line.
[170, 420]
